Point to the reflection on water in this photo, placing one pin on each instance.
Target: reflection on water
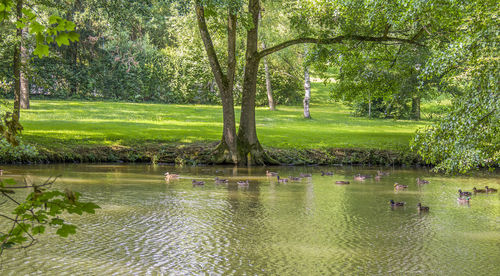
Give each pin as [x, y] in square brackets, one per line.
[149, 226]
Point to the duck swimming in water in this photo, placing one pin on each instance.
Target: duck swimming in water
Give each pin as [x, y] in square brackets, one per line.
[221, 181]
[268, 173]
[396, 204]
[490, 190]
[463, 200]
[198, 183]
[422, 181]
[169, 176]
[359, 177]
[478, 191]
[398, 186]
[243, 183]
[464, 193]
[282, 180]
[421, 208]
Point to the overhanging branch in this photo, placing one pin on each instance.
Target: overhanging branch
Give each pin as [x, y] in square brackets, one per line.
[334, 40]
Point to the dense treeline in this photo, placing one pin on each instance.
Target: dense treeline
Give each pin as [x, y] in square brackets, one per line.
[140, 51]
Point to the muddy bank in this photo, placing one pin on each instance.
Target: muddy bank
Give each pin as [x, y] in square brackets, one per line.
[199, 153]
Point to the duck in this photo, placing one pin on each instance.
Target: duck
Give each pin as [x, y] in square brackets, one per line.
[396, 204]
[326, 173]
[463, 200]
[305, 175]
[398, 186]
[421, 208]
[198, 183]
[268, 173]
[478, 191]
[422, 181]
[464, 193]
[381, 173]
[243, 183]
[169, 176]
[342, 182]
[490, 190]
[221, 181]
[359, 177]
[282, 180]
[294, 178]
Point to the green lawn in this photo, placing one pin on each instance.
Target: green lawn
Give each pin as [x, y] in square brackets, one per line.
[64, 123]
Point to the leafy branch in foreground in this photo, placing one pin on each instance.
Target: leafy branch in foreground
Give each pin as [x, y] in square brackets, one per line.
[40, 209]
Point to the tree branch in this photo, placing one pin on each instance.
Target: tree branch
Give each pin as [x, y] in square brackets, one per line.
[231, 48]
[220, 78]
[334, 40]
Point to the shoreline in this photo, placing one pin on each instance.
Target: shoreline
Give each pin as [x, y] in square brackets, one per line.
[201, 154]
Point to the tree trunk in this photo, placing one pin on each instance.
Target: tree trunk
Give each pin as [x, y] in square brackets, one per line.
[17, 65]
[415, 108]
[74, 58]
[250, 151]
[24, 85]
[226, 151]
[270, 98]
[369, 105]
[307, 88]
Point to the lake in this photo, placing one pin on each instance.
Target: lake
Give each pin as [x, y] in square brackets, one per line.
[148, 226]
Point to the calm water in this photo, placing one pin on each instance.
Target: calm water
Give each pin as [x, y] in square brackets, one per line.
[313, 227]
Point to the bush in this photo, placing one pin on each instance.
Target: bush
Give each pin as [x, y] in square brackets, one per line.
[19, 153]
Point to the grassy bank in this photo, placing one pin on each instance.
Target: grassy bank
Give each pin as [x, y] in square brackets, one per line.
[58, 126]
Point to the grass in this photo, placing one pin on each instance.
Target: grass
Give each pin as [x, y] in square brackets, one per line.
[65, 123]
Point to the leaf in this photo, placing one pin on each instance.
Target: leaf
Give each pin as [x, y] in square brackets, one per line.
[38, 229]
[66, 229]
[70, 26]
[53, 19]
[90, 207]
[56, 221]
[62, 39]
[73, 36]
[41, 50]
[20, 25]
[36, 28]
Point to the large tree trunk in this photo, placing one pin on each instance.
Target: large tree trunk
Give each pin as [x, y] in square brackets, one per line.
[24, 85]
[17, 65]
[270, 97]
[307, 88]
[226, 151]
[250, 151]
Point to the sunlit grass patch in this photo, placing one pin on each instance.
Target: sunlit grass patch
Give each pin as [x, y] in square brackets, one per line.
[55, 123]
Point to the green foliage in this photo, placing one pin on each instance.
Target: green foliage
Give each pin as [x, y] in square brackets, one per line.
[467, 138]
[142, 51]
[41, 208]
[56, 30]
[18, 153]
